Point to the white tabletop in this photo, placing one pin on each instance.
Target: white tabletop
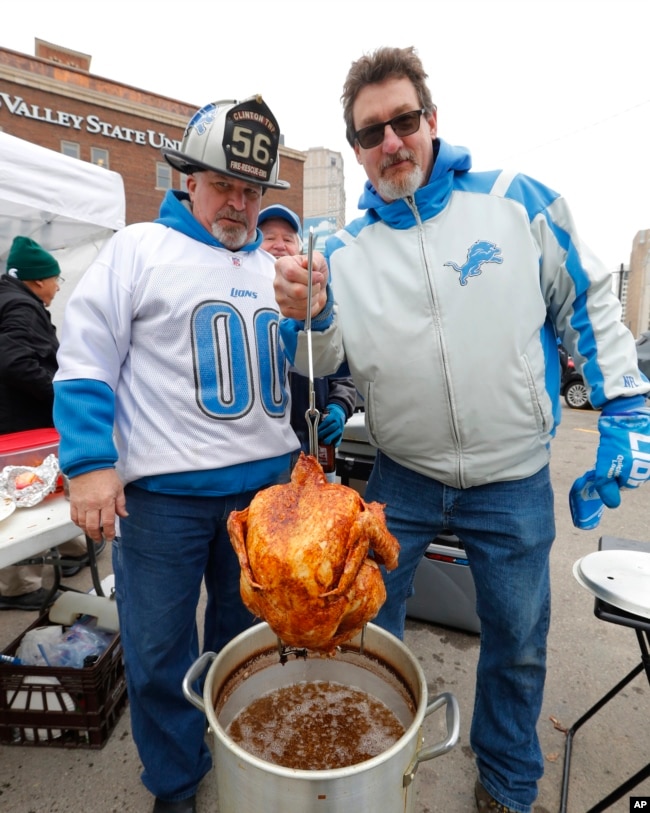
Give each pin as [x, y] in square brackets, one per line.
[618, 577]
[31, 531]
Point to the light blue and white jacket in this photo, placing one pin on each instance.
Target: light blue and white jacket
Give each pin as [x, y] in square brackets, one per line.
[446, 307]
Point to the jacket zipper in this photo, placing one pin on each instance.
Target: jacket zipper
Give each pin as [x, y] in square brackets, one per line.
[410, 202]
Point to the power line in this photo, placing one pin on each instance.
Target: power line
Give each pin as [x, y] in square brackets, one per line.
[586, 127]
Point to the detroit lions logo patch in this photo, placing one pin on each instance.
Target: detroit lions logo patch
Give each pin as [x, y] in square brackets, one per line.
[481, 252]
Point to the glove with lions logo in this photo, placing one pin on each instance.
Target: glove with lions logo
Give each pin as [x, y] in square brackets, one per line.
[623, 456]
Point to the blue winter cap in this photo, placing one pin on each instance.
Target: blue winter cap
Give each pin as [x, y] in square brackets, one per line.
[277, 210]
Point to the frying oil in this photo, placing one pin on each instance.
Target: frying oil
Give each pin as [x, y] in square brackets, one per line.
[316, 725]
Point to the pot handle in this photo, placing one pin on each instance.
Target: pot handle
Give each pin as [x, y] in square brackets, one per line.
[193, 674]
[453, 729]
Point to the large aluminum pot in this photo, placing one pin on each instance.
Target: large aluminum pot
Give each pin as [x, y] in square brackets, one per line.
[250, 666]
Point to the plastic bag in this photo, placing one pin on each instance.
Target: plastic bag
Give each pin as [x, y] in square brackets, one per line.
[81, 645]
[78, 646]
[28, 650]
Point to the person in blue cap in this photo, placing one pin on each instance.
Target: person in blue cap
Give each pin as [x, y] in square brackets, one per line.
[335, 397]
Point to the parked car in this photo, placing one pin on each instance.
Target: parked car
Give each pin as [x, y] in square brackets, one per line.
[573, 388]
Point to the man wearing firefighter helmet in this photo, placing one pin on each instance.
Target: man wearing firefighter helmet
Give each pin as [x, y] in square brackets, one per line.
[171, 403]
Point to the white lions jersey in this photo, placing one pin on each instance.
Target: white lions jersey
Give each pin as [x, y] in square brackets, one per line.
[186, 336]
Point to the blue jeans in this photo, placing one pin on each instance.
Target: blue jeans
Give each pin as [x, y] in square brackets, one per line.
[507, 530]
[167, 546]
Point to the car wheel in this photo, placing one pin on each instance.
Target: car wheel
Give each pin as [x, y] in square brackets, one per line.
[576, 395]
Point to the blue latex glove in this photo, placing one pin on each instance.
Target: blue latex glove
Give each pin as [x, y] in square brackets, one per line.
[623, 456]
[330, 427]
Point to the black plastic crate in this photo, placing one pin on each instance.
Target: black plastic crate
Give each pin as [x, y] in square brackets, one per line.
[60, 706]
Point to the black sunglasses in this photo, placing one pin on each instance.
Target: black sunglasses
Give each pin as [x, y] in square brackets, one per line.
[403, 125]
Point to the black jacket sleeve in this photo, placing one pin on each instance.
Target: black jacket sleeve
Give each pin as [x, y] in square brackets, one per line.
[342, 392]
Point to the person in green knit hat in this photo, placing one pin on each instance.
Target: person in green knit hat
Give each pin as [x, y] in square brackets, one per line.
[28, 341]
[28, 346]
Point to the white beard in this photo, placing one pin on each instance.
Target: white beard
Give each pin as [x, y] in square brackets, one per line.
[232, 238]
[403, 187]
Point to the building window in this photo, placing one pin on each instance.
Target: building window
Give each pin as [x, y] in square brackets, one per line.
[99, 157]
[183, 182]
[163, 175]
[70, 148]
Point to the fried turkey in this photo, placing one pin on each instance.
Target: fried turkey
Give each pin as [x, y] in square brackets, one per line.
[304, 551]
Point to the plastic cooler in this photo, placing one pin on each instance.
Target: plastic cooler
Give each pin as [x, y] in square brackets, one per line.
[28, 448]
[444, 591]
[444, 587]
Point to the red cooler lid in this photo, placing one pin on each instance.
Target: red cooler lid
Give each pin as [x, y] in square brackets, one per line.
[31, 439]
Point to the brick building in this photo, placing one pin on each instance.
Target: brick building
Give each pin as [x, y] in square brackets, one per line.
[53, 100]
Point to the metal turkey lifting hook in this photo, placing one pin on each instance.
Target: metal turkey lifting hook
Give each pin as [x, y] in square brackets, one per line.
[312, 415]
[284, 651]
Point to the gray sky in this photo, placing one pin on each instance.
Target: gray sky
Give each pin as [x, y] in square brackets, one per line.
[559, 89]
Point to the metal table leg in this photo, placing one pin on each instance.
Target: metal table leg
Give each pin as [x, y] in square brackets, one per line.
[53, 557]
[92, 564]
[643, 638]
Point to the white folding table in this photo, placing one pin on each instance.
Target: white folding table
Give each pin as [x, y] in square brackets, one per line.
[29, 534]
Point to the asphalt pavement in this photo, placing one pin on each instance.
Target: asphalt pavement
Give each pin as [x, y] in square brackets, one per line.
[586, 657]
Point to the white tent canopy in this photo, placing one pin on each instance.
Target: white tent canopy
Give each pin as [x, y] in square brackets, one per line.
[68, 206]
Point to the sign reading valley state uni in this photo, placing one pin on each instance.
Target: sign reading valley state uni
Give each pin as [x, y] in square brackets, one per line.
[17, 106]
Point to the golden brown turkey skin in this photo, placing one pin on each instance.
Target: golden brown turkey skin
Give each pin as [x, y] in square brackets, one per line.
[303, 549]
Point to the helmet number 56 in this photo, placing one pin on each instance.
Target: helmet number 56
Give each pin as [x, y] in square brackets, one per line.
[247, 144]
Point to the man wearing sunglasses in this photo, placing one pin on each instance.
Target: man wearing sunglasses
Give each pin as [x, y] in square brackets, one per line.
[445, 301]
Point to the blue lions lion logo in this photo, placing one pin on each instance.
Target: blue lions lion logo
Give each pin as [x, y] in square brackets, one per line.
[202, 119]
[481, 252]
